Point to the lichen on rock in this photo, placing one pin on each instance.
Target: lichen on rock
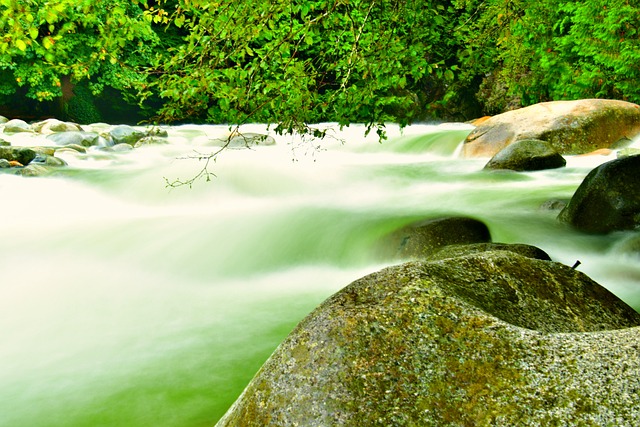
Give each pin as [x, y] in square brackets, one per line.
[487, 338]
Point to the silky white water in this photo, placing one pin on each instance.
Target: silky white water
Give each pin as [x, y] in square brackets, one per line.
[127, 303]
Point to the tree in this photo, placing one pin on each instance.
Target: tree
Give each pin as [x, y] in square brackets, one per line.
[48, 46]
[295, 62]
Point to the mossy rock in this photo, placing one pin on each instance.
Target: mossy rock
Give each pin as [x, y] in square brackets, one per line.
[21, 155]
[485, 339]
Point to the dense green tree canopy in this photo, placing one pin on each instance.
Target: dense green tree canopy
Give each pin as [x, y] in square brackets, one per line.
[295, 62]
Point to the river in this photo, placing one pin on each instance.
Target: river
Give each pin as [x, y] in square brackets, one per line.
[127, 303]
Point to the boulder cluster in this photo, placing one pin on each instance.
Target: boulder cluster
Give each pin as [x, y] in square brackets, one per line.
[473, 332]
[62, 136]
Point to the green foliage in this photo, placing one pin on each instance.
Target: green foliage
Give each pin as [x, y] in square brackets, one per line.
[298, 62]
[295, 62]
[103, 42]
[569, 50]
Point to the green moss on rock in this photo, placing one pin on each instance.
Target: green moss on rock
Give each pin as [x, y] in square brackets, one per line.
[490, 338]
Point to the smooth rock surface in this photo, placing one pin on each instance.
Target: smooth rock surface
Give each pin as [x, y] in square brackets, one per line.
[17, 126]
[490, 339]
[422, 238]
[527, 155]
[608, 199]
[571, 127]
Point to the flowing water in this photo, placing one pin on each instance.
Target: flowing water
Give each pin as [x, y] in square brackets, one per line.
[127, 303]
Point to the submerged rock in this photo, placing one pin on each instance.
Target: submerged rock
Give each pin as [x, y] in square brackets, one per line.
[608, 199]
[490, 338]
[125, 134]
[244, 140]
[85, 139]
[571, 127]
[527, 155]
[422, 238]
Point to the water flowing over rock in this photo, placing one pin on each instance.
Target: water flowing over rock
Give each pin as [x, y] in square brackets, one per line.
[125, 134]
[608, 199]
[571, 127]
[85, 139]
[527, 155]
[422, 238]
[50, 126]
[491, 338]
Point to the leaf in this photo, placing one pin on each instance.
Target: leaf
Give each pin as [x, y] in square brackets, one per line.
[33, 32]
[179, 21]
[20, 44]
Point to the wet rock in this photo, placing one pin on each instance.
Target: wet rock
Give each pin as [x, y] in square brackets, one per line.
[244, 140]
[50, 126]
[626, 152]
[22, 155]
[492, 338]
[527, 155]
[151, 140]
[623, 142]
[124, 134]
[422, 238]
[17, 126]
[4, 164]
[120, 148]
[453, 251]
[4, 143]
[608, 199]
[554, 205]
[3, 120]
[48, 160]
[85, 139]
[571, 127]
[33, 170]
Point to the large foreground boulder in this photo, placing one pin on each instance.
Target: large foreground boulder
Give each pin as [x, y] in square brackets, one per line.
[608, 199]
[491, 338]
[571, 127]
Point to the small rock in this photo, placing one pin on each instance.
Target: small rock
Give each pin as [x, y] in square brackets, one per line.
[33, 170]
[554, 205]
[17, 126]
[21, 155]
[124, 134]
[626, 152]
[48, 160]
[50, 126]
[4, 164]
[244, 140]
[85, 139]
[151, 140]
